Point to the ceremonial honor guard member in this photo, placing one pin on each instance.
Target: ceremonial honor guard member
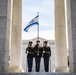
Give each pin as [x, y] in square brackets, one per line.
[30, 55]
[46, 55]
[38, 55]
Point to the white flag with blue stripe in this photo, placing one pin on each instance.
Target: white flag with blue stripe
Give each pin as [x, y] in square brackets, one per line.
[34, 21]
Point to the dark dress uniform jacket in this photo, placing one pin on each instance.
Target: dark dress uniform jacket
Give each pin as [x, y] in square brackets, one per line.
[38, 51]
[47, 51]
[30, 53]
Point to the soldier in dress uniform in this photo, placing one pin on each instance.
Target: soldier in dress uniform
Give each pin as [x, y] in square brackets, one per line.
[38, 55]
[46, 55]
[30, 55]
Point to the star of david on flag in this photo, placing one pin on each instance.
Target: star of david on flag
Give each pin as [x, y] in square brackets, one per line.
[34, 21]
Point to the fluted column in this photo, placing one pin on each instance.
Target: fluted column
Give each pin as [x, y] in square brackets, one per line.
[71, 18]
[16, 37]
[60, 36]
[5, 26]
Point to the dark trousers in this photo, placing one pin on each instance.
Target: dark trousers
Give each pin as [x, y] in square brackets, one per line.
[29, 62]
[46, 64]
[37, 62]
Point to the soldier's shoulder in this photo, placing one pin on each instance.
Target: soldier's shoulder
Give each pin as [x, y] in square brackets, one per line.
[48, 47]
[32, 47]
[26, 47]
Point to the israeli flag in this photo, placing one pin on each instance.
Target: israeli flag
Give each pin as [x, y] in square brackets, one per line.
[34, 21]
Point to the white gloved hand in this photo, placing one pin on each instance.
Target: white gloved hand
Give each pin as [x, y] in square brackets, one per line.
[43, 51]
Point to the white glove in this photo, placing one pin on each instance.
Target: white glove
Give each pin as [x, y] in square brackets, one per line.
[43, 51]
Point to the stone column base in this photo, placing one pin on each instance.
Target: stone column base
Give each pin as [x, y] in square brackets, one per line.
[16, 69]
[62, 70]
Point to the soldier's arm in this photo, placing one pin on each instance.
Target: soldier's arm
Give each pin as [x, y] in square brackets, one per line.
[26, 50]
[50, 51]
[35, 47]
[41, 49]
[33, 50]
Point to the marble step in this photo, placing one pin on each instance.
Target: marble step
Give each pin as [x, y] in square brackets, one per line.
[38, 73]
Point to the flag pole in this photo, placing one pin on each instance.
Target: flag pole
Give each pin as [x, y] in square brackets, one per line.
[38, 28]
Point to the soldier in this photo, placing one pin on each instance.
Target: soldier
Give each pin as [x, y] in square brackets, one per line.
[30, 55]
[46, 55]
[38, 55]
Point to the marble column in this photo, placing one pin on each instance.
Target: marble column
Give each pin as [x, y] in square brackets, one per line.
[16, 37]
[5, 27]
[60, 36]
[71, 19]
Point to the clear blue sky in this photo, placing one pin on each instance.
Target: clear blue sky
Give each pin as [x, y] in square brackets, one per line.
[46, 18]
